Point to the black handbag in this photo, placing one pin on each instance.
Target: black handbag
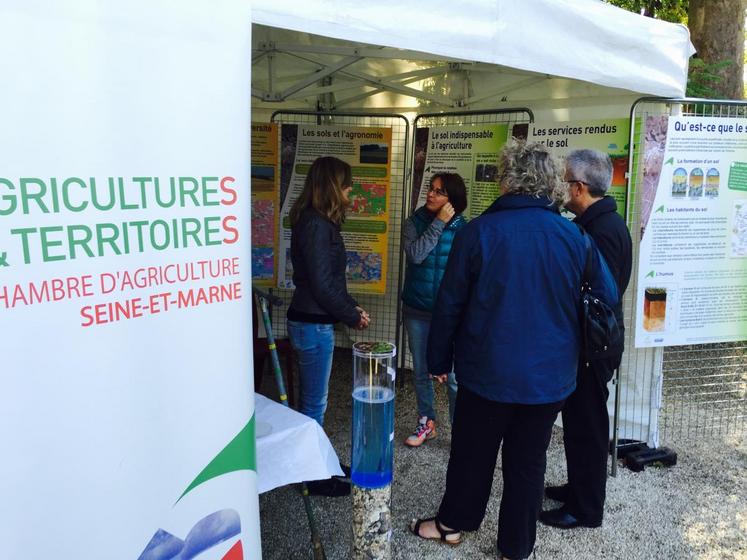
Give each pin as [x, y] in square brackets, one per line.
[599, 327]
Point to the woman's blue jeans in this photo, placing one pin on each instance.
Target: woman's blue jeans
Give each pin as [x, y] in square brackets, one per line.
[314, 344]
[417, 337]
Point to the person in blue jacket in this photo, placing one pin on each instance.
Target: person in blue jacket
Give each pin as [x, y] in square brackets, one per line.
[427, 237]
[507, 315]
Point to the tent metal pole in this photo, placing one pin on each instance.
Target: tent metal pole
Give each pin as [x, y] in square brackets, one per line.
[615, 423]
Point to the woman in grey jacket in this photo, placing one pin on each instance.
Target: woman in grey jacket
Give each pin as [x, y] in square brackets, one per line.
[321, 298]
[427, 237]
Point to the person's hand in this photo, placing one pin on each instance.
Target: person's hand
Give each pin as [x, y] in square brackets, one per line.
[446, 213]
[365, 319]
[440, 377]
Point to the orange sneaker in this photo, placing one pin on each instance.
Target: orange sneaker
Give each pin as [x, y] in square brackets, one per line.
[425, 430]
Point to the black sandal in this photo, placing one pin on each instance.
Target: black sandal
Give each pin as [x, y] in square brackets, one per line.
[443, 533]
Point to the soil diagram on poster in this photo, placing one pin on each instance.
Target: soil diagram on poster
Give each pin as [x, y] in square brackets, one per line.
[265, 193]
[365, 231]
[692, 274]
[469, 150]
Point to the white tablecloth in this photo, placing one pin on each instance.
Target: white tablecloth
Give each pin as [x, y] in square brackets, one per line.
[296, 448]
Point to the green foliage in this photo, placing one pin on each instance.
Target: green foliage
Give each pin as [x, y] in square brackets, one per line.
[667, 10]
[703, 78]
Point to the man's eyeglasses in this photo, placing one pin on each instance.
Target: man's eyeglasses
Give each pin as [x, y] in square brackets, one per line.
[439, 192]
[571, 181]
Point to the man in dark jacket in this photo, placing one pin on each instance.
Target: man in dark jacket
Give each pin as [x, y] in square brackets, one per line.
[585, 417]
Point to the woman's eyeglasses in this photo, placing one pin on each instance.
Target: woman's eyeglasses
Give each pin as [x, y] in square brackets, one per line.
[439, 192]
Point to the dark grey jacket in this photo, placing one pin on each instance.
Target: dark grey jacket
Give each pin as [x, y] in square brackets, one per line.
[607, 228]
[319, 262]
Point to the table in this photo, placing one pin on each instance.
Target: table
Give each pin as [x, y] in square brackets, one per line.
[296, 448]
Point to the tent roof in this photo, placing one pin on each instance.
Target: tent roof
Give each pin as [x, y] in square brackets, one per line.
[586, 40]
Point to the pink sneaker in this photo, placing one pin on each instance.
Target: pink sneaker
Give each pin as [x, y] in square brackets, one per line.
[425, 430]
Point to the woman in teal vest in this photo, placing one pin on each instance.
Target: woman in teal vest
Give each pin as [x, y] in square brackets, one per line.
[427, 238]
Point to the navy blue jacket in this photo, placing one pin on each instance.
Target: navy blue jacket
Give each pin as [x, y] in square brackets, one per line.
[508, 308]
[423, 279]
[319, 261]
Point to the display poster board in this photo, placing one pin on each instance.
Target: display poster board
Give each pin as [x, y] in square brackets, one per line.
[469, 150]
[265, 203]
[368, 150]
[692, 270]
[127, 404]
[611, 136]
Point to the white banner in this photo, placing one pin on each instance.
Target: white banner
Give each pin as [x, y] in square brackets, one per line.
[127, 405]
[692, 272]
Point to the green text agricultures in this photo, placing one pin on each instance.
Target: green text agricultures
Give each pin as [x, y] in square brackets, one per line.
[31, 196]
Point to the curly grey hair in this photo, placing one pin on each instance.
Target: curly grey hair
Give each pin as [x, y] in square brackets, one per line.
[530, 169]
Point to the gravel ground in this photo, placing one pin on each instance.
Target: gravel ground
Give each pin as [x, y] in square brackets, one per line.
[696, 509]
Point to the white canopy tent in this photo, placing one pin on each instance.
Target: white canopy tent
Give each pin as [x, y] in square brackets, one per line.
[563, 59]
[504, 51]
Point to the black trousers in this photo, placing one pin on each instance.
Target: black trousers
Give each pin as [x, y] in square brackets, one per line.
[586, 439]
[479, 427]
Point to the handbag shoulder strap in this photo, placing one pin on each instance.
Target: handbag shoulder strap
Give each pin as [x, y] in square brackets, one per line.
[589, 266]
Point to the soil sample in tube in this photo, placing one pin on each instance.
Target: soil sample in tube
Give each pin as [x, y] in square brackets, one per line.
[712, 183]
[696, 183]
[679, 183]
[654, 309]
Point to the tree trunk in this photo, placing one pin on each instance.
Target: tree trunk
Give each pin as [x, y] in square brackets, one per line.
[717, 31]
